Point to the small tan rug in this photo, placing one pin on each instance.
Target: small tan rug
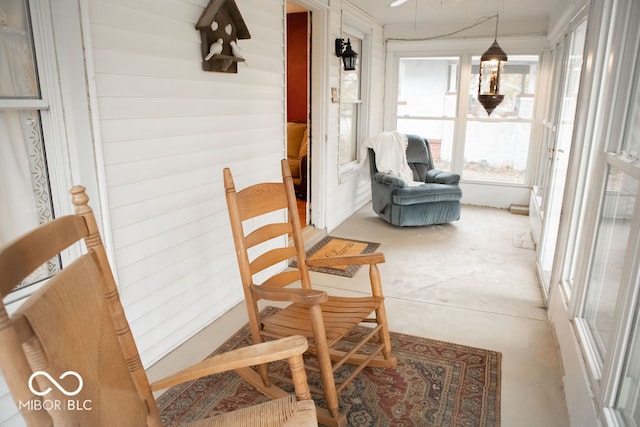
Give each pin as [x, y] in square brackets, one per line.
[332, 246]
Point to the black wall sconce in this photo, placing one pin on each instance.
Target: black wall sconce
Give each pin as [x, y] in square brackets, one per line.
[491, 64]
[344, 51]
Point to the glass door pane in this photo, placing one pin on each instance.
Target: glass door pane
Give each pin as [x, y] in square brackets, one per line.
[559, 154]
[25, 195]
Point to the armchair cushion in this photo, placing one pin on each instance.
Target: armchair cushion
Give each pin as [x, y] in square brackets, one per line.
[386, 178]
[442, 177]
[426, 193]
[297, 150]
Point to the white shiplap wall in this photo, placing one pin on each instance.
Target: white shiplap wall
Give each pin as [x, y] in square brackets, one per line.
[167, 129]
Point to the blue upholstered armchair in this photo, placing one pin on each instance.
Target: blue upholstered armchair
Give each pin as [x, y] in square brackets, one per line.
[435, 202]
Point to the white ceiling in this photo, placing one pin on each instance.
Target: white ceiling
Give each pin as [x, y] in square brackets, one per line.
[455, 10]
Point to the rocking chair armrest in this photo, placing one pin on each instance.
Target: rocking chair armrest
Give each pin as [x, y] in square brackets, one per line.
[251, 355]
[375, 258]
[302, 296]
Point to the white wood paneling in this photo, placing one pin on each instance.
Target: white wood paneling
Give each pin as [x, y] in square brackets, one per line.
[167, 129]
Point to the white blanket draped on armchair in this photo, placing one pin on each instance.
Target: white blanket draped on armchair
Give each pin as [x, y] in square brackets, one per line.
[391, 155]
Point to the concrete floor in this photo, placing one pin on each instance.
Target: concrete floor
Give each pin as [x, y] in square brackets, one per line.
[471, 282]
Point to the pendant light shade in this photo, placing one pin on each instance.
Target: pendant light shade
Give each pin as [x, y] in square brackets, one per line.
[491, 64]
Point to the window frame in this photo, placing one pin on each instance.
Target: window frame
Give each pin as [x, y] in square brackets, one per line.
[610, 120]
[489, 193]
[356, 27]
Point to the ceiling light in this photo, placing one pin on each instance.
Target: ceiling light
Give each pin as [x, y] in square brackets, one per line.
[491, 64]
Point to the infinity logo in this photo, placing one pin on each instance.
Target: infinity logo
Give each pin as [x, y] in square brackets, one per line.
[58, 386]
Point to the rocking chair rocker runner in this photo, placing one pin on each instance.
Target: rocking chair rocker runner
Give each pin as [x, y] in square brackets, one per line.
[325, 320]
[75, 323]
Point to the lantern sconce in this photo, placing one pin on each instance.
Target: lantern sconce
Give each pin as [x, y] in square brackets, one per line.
[491, 64]
[348, 55]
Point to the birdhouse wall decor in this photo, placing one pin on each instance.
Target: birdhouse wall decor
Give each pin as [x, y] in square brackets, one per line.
[221, 26]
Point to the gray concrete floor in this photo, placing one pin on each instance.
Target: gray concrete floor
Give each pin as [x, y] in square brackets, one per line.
[471, 282]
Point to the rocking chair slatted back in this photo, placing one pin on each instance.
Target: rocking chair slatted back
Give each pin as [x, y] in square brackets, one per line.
[325, 320]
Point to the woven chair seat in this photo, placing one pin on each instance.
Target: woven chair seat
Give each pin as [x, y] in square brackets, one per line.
[285, 412]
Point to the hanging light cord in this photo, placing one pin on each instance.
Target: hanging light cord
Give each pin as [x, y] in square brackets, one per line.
[468, 27]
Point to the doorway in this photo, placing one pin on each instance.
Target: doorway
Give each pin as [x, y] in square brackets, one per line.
[298, 83]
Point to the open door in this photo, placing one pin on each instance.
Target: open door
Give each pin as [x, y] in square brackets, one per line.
[298, 105]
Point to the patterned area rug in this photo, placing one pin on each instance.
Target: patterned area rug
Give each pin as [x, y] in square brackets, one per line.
[436, 384]
[336, 246]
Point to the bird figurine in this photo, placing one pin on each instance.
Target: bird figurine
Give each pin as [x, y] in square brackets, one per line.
[235, 49]
[216, 47]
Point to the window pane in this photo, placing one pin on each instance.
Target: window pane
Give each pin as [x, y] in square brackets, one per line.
[612, 237]
[628, 400]
[518, 84]
[17, 62]
[348, 132]
[496, 151]
[439, 133]
[428, 87]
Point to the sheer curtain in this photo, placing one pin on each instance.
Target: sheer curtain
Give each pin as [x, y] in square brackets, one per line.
[25, 199]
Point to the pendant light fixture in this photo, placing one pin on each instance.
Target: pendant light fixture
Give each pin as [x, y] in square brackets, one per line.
[491, 64]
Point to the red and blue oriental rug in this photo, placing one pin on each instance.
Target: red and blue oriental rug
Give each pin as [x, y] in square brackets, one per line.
[436, 384]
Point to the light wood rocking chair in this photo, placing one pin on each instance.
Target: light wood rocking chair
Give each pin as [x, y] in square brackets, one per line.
[325, 320]
[74, 326]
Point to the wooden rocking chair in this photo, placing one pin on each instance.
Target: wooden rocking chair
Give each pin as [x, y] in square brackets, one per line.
[325, 320]
[69, 357]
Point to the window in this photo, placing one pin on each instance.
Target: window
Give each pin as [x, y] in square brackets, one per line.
[612, 239]
[25, 192]
[427, 103]
[350, 102]
[497, 147]
[607, 313]
[436, 102]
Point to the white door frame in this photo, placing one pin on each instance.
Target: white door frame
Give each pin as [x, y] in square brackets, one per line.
[319, 107]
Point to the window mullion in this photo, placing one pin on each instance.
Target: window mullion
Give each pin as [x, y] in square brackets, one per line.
[460, 127]
[23, 104]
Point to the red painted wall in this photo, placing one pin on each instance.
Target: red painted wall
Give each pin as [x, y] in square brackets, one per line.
[297, 67]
